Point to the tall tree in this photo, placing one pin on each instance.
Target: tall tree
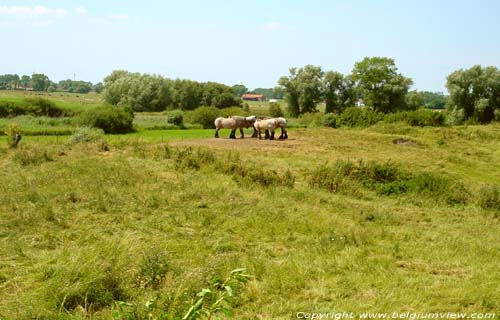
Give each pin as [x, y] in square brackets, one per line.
[303, 89]
[40, 82]
[380, 84]
[475, 93]
[25, 81]
[338, 92]
[289, 85]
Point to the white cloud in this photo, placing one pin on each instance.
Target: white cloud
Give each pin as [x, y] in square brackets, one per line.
[273, 25]
[119, 17]
[81, 10]
[32, 12]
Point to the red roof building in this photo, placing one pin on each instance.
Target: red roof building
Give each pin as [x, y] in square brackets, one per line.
[253, 97]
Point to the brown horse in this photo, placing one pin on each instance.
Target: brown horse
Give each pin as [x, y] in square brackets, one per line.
[233, 123]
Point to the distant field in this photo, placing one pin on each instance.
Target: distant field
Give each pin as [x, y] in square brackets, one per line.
[135, 232]
[71, 101]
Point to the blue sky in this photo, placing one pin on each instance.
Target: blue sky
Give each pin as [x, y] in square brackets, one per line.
[252, 42]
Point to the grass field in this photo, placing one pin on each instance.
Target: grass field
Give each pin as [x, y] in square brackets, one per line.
[136, 231]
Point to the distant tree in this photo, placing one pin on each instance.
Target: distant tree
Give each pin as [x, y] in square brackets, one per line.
[9, 81]
[434, 100]
[218, 95]
[414, 100]
[188, 94]
[475, 93]
[74, 86]
[40, 82]
[141, 92]
[338, 92]
[239, 89]
[381, 86]
[98, 87]
[25, 81]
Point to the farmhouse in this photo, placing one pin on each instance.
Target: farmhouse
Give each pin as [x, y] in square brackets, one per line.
[253, 97]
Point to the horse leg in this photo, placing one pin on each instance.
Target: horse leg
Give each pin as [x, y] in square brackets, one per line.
[217, 132]
[272, 135]
[267, 134]
[254, 134]
[259, 134]
[286, 135]
[242, 134]
[233, 134]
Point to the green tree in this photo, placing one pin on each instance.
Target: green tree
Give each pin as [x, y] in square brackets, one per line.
[380, 84]
[289, 85]
[239, 89]
[98, 87]
[303, 89]
[188, 94]
[218, 95]
[142, 92]
[414, 100]
[338, 92]
[474, 93]
[434, 100]
[25, 81]
[40, 82]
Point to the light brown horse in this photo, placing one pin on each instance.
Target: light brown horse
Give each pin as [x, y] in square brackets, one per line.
[267, 125]
[233, 123]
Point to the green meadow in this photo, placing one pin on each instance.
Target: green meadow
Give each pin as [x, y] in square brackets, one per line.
[389, 218]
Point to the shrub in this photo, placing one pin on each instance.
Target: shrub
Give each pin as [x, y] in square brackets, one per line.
[175, 117]
[275, 110]
[153, 269]
[86, 134]
[43, 107]
[31, 106]
[426, 117]
[232, 111]
[359, 117]
[34, 156]
[489, 197]
[330, 120]
[205, 116]
[110, 119]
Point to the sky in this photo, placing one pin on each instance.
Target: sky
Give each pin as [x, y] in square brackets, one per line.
[248, 42]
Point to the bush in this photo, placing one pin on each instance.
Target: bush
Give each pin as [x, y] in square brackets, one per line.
[330, 120]
[43, 107]
[175, 117]
[359, 117]
[205, 116]
[31, 106]
[489, 197]
[110, 119]
[32, 157]
[275, 110]
[86, 134]
[421, 117]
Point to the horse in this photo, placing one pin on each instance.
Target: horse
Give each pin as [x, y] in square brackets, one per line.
[233, 123]
[282, 123]
[268, 125]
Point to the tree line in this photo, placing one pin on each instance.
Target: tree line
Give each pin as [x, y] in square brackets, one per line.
[474, 94]
[144, 92]
[41, 82]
